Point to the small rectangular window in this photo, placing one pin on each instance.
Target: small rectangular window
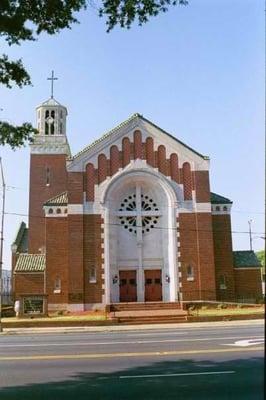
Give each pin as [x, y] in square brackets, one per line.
[57, 285]
[190, 273]
[92, 275]
[48, 176]
[222, 282]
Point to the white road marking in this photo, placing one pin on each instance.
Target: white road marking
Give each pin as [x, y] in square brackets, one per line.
[179, 374]
[246, 342]
[127, 342]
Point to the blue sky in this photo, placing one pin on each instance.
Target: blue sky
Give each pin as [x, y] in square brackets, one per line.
[196, 71]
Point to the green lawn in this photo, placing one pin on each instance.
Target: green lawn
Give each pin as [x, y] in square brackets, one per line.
[89, 317]
[227, 311]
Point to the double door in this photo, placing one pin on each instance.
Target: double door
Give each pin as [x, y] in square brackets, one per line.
[128, 285]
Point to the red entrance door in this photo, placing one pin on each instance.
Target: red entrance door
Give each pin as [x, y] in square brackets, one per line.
[153, 285]
[128, 286]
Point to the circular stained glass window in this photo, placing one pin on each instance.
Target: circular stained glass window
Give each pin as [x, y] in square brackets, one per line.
[148, 205]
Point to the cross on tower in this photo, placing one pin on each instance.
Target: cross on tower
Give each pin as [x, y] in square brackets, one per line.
[52, 79]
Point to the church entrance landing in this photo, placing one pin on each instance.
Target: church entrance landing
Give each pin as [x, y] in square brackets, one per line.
[153, 285]
[128, 286]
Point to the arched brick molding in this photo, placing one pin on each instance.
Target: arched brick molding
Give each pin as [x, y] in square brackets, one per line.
[174, 171]
[125, 151]
[90, 182]
[102, 168]
[137, 145]
[162, 166]
[187, 181]
[114, 160]
[150, 151]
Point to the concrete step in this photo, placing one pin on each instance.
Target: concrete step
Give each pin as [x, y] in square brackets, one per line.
[152, 320]
[143, 306]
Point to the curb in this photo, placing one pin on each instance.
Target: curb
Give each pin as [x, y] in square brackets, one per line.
[122, 328]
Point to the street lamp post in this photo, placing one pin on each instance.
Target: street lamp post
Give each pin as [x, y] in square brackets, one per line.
[250, 234]
[2, 237]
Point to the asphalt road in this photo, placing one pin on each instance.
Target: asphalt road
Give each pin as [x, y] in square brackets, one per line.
[182, 363]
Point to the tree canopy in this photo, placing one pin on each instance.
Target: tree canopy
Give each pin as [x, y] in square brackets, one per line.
[22, 20]
[261, 256]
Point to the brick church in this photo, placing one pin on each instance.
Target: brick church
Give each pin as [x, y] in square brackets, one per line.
[128, 219]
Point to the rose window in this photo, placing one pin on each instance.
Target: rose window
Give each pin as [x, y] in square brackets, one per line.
[148, 213]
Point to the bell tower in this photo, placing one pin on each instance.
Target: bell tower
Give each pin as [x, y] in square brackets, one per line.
[48, 176]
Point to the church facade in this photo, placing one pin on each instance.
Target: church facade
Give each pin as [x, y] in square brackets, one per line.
[128, 219]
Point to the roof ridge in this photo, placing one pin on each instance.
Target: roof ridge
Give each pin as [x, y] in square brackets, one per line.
[136, 115]
[106, 134]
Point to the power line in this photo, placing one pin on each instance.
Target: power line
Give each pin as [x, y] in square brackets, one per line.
[155, 227]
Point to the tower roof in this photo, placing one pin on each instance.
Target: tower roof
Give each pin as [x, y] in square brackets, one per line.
[51, 102]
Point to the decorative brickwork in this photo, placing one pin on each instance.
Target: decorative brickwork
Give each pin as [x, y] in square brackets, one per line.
[102, 168]
[90, 182]
[137, 145]
[125, 151]
[114, 160]
[174, 167]
[187, 181]
[162, 167]
[150, 151]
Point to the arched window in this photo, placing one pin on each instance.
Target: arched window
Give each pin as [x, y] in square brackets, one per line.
[46, 113]
[50, 211]
[52, 128]
[225, 208]
[46, 128]
[58, 211]
[53, 113]
[217, 208]
[61, 128]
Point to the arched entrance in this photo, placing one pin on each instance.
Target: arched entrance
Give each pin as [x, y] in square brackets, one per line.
[140, 238]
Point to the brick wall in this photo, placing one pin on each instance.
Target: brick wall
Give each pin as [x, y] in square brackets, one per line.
[41, 192]
[197, 251]
[75, 259]
[93, 258]
[28, 284]
[248, 284]
[202, 186]
[223, 256]
[57, 259]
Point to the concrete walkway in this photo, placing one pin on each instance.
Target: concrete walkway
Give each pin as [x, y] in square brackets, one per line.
[121, 328]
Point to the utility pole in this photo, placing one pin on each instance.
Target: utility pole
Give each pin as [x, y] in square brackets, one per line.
[250, 234]
[2, 236]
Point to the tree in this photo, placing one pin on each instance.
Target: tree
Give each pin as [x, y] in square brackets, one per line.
[22, 20]
[261, 257]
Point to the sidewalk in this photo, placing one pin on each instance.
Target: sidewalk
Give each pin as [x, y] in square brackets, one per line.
[123, 328]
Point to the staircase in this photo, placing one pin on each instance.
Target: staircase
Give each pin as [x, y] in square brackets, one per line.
[147, 313]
